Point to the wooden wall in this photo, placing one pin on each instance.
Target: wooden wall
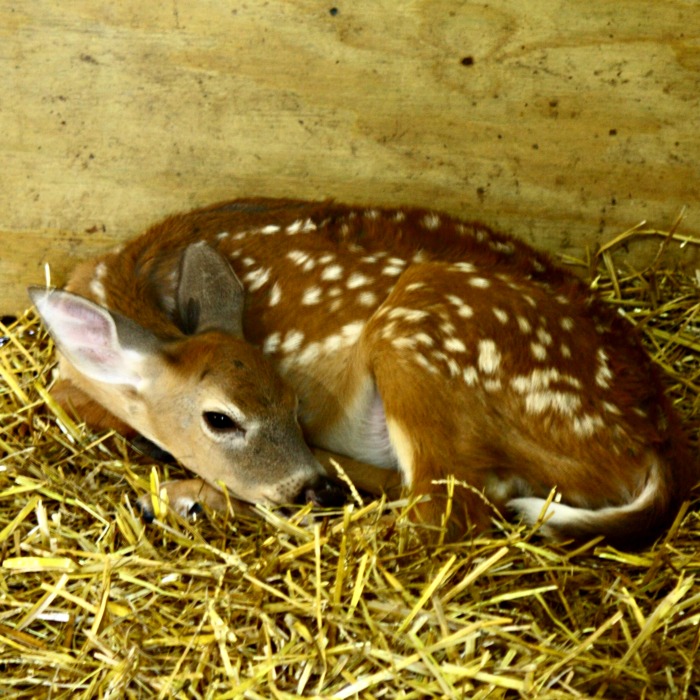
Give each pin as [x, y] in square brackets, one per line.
[565, 122]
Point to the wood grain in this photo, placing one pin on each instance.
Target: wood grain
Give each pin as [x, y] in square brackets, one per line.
[563, 122]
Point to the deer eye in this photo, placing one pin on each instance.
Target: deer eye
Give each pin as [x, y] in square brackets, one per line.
[221, 423]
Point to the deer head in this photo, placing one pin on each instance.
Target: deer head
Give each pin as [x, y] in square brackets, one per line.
[207, 396]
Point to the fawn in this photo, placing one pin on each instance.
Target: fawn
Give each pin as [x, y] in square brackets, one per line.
[414, 344]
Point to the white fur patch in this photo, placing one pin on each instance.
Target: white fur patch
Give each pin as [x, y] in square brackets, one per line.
[560, 516]
[311, 296]
[332, 273]
[489, 357]
[275, 294]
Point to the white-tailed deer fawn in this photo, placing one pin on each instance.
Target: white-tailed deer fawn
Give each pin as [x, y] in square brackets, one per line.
[235, 335]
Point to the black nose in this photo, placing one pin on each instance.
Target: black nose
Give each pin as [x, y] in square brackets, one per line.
[323, 493]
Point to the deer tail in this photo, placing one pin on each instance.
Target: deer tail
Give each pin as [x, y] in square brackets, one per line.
[632, 525]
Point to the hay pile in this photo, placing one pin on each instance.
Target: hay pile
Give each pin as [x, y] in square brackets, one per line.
[337, 605]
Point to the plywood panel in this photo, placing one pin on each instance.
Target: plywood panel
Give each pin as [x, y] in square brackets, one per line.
[563, 122]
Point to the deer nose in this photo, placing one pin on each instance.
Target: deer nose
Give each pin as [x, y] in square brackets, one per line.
[323, 493]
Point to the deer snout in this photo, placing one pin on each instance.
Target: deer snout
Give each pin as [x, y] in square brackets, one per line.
[322, 492]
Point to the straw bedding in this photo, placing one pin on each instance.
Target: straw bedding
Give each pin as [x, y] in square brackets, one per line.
[344, 604]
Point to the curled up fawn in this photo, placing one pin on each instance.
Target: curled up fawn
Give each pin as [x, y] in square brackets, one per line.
[419, 346]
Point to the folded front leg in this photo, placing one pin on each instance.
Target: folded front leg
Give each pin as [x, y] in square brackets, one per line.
[187, 497]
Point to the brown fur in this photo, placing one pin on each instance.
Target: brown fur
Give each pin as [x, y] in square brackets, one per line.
[615, 424]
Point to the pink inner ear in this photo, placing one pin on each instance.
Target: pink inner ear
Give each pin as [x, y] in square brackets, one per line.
[78, 325]
[87, 338]
[99, 357]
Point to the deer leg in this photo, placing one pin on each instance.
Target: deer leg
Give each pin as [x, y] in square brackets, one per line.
[365, 477]
[187, 496]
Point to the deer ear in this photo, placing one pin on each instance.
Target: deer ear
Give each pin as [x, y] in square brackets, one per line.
[100, 344]
[209, 295]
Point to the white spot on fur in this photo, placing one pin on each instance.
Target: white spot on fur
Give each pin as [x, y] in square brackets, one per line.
[470, 376]
[389, 330]
[539, 352]
[524, 325]
[309, 354]
[537, 380]
[567, 323]
[351, 331]
[431, 221]
[271, 343]
[257, 278]
[463, 309]
[479, 282]
[294, 227]
[565, 350]
[311, 296]
[489, 359]
[603, 374]
[462, 267]
[221, 236]
[499, 247]
[97, 289]
[392, 270]
[332, 273]
[410, 315]
[367, 299]
[424, 339]
[292, 341]
[270, 228]
[541, 379]
[501, 315]
[447, 328]
[298, 257]
[454, 345]
[309, 265]
[453, 367]
[563, 402]
[333, 343]
[585, 426]
[357, 279]
[544, 337]
[275, 294]
[415, 286]
[425, 362]
[404, 343]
